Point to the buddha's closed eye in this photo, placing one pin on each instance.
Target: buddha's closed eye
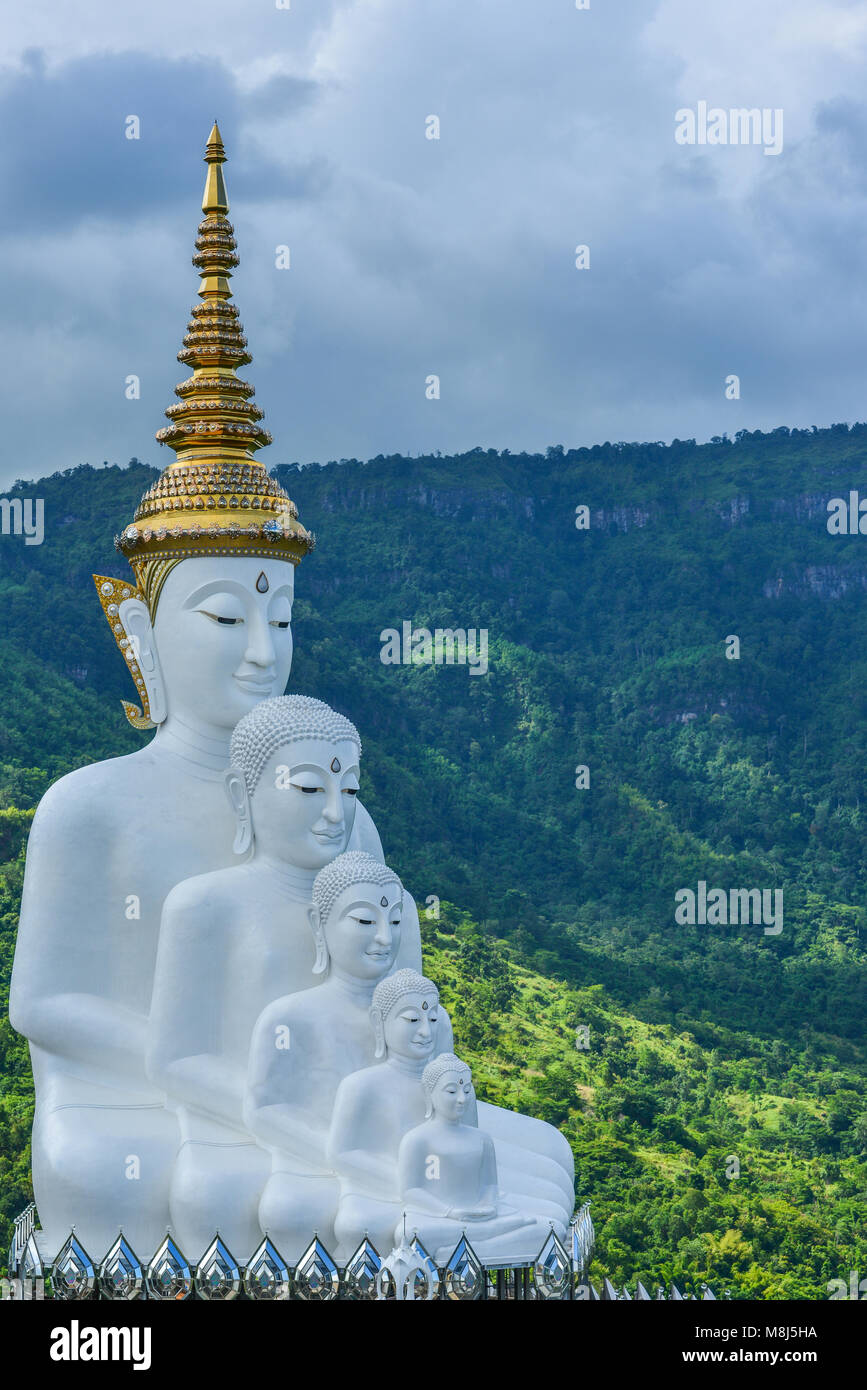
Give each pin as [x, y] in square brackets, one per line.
[218, 618]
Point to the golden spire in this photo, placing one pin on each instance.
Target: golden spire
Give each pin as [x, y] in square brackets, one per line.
[214, 496]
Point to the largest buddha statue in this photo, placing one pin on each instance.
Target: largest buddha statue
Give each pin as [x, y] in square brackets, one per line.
[204, 625]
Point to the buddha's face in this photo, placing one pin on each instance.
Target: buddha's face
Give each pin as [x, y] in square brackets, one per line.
[223, 636]
[453, 1096]
[411, 1027]
[362, 930]
[303, 807]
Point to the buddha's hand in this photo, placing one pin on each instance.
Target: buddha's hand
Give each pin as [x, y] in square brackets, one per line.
[485, 1213]
[472, 1213]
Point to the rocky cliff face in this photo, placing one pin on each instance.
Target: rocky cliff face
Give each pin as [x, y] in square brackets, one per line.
[822, 581]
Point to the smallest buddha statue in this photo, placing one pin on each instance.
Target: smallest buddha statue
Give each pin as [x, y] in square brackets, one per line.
[447, 1173]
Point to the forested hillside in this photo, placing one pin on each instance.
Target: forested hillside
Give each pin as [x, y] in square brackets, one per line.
[607, 650]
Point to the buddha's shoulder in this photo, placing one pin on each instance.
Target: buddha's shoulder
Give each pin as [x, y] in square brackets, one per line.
[301, 1009]
[219, 891]
[362, 1083]
[93, 794]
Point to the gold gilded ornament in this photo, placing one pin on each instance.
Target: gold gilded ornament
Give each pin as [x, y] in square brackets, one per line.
[215, 498]
[112, 593]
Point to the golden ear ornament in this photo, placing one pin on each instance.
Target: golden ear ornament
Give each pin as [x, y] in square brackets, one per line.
[112, 593]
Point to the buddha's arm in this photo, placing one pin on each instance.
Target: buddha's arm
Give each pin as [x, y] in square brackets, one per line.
[352, 1138]
[61, 966]
[184, 1055]
[278, 1109]
[210, 1083]
[416, 1190]
[290, 1129]
[489, 1184]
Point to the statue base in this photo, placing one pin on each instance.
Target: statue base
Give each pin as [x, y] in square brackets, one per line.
[407, 1274]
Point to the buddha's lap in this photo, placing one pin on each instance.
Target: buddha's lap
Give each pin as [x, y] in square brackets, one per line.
[90, 1140]
[306, 1197]
[200, 1166]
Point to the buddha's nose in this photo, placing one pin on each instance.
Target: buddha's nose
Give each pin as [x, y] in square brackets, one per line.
[384, 934]
[333, 809]
[260, 647]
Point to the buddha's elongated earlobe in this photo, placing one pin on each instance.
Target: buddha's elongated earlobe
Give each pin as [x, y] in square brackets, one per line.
[429, 1108]
[236, 790]
[320, 965]
[136, 620]
[378, 1031]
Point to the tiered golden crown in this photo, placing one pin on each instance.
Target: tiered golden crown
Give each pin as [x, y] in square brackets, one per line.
[215, 498]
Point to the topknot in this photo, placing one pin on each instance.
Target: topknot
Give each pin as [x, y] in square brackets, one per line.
[281, 720]
[394, 987]
[354, 866]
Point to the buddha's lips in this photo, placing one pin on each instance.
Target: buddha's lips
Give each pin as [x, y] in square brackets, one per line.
[254, 683]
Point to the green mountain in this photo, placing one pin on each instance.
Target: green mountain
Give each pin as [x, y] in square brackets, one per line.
[607, 649]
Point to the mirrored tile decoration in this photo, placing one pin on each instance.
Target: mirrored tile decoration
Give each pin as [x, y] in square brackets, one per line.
[583, 1239]
[72, 1274]
[120, 1273]
[168, 1274]
[31, 1262]
[22, 1231]
[267, 1276]
[552, 1269]
[359, 1276]
[317, 1278]
[464, 1276]
[217, 1273]
[420, 1283]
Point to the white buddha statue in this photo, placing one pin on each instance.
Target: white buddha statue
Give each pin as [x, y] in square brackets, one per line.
[374, 1108]
[205, 630]
[447, 1176]
[232, 940]
[304, 1044]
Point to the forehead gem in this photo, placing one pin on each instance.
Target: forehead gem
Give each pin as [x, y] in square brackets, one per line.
[335, 764]
[424, 1004]
[262, 585]
[383, 902]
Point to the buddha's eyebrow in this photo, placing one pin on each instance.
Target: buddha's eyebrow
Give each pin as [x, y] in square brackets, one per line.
[231, 586]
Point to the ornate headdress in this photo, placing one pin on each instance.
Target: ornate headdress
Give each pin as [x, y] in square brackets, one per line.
[214, 498]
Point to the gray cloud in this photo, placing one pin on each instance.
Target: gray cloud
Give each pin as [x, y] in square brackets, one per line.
[456, 257]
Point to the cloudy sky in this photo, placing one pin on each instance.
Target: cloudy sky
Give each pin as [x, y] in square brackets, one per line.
[455, 257]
